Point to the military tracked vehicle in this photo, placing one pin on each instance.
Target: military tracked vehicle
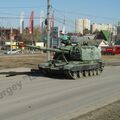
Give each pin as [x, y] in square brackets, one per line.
[73, 61]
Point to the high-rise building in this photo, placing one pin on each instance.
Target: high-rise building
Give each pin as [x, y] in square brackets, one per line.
[21, 22]
[42, 20]
[118, 28]
[98, 27]
[81, 25]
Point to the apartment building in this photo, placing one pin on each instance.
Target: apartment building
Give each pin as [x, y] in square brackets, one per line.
[99, 27]
[81, 25]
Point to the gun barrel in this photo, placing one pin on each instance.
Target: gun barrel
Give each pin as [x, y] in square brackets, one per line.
[47, 49]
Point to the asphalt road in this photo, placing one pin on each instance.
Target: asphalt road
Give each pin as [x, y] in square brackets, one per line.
[24, 97]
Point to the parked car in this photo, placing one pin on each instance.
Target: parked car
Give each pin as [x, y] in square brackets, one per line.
[13, 51]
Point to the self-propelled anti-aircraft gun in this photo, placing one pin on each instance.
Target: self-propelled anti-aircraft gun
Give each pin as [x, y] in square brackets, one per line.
[73, 61]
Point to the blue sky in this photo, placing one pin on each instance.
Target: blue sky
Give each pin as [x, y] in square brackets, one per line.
[99, 11]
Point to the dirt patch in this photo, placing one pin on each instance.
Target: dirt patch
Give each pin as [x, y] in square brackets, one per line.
[30, 61]
[109, 112]
[111, 58]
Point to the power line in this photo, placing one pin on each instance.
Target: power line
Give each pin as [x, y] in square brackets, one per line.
[5, 17]
[67, 19]
[8, 14]
[62, 22]
[89, 15]
[20, 7]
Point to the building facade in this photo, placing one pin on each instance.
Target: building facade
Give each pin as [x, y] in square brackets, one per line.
[81, 25]
[118, 28]
[98, 27]
[5, 33]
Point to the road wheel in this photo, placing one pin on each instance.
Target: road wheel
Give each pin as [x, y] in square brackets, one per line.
[86, 73]
[94, 72]
[73, 74]
[90, 73]
[98, 72]
[80, 74]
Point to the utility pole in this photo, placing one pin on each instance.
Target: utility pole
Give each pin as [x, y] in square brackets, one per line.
[48, 26]
[64, 25]
[11, 39]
